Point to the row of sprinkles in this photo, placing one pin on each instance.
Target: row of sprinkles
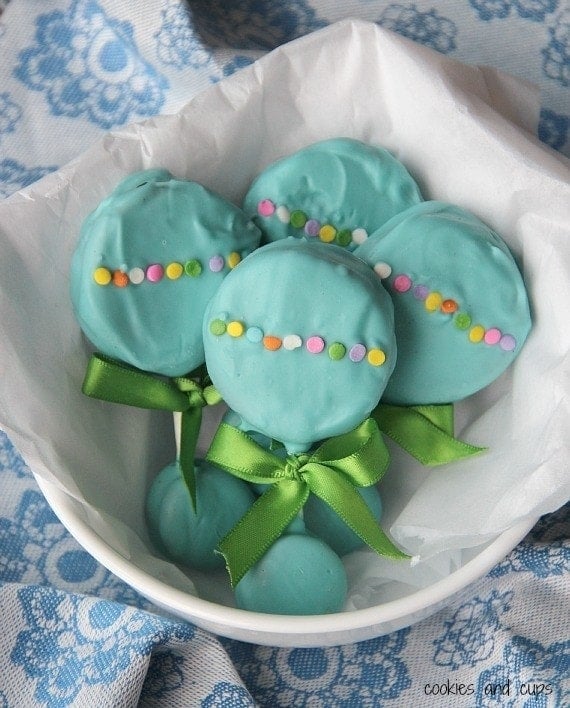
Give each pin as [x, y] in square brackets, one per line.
[314, 344]
[434, 301]
[311, 227]
[155, 272]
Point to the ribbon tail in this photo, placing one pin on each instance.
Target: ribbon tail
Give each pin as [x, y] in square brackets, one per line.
[189, 431]
[261, 526]
[343, 498]
[424, 432]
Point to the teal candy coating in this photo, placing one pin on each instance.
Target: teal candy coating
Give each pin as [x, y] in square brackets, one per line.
[448, 250]
[325, 523]
[299, 575]
[186, 536]
[152, 218]
[341, 182]
[296, 287]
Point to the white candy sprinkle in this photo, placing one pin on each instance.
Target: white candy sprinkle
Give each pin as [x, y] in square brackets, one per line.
[283, 214]
[382, 270]
[359, 236]
[136, 275]
[292, 341]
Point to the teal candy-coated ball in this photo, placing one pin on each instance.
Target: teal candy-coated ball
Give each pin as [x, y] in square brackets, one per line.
[325, 523]
[186, 536]
[299, 575]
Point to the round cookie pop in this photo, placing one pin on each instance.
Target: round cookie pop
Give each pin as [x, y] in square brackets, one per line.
[148, 260]
[299, 342]
[461, 308]
[334, 191]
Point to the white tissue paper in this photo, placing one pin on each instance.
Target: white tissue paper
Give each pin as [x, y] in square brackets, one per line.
[465, 134]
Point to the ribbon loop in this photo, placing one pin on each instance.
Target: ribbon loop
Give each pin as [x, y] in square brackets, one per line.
[356, 459]
[425, 432]
[114, 381]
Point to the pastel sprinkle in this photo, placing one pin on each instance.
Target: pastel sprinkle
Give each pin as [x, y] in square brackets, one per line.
[291, 342]
[462, 320]
[266, 207]
[193, 268]
[102, 276]
[283, 214]
[235, 328]
[154, 273]
[344, 237]
[359, 236]
[272, 343]
[174, 270]
[216, 263]
[315, 344]
[217, 327]
[254, 334]
[421, 292]
[327, 233]
[476, 334]
[492, 336]
[402, 283]
[298, 219]
[312, 227]
[136, 276]
[433, 302]
[336, 351]
[357, 353]
[120, 279]
[449, 306]
[233, 259]
[382, 270]
[376, 357]
[508, 343]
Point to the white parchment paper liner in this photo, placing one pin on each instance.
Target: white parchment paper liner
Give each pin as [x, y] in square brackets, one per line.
[464, 133]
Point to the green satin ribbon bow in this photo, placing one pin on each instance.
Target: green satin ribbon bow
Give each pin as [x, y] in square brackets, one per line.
[111, 380]
[425, 432]
[356, 459]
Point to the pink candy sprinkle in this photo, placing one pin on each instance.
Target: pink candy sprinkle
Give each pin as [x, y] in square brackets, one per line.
[266, 207]
[315, 345]
[402, 283]
[216, 263]
[492, 336]
[155, 272]
[357, 352]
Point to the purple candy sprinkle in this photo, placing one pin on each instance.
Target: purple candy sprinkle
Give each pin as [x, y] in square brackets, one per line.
[312, 227]
[216, 263]
[357, 352]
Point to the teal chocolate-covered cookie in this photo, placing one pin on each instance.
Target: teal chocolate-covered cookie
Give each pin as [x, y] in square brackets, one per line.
[461, 308]
[148, 260]
[334, 191]
[190, 536]
[299, 341]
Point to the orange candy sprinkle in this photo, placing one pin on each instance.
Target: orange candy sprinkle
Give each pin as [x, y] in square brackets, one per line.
[449, 306]
[120, 279]
[272, 343]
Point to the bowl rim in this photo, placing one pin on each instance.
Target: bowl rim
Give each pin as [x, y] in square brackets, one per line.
[284, 630]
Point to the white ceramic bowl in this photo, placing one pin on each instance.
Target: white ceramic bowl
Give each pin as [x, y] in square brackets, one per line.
[279, 630]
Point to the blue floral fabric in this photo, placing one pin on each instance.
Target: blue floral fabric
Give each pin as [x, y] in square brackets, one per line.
[75, 635]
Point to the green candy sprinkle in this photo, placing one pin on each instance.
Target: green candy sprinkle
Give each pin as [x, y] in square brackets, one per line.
[193, 268]
[462, 320]
[337, 351]
[344, 237]
[298, 219]
[217, 327]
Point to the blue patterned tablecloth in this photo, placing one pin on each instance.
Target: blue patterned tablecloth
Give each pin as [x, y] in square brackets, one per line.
[73, 634]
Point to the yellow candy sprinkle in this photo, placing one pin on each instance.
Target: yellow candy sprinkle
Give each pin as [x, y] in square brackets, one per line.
[235, 329]
[233, 259]
[476, 334]
[376, 357]
[102, 276]
[327, 233]
[433, 302]
[174, 270]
